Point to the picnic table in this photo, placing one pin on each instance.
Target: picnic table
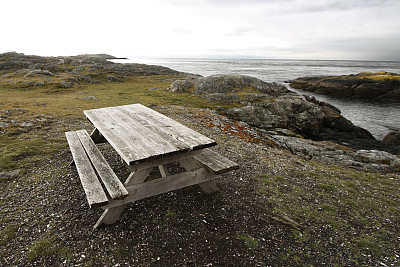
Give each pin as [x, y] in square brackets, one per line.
[144, 139]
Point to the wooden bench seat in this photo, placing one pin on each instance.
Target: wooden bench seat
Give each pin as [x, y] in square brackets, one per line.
[214, 162]
[91, 165]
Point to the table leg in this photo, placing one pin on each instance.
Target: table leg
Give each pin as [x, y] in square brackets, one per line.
[111, 215]
[190, 164]
[97, 137]
[163, 170]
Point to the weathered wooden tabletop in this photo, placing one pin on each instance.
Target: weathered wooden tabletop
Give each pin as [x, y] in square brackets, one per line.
[140, 134]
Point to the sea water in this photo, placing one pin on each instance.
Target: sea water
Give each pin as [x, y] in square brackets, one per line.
[378, 118]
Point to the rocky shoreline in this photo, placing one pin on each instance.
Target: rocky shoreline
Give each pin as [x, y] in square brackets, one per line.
[294, 201]
[298, 123]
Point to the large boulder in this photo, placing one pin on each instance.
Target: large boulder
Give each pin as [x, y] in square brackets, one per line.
[297, 113]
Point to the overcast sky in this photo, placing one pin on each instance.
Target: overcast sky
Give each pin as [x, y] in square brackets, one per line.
[288, 29]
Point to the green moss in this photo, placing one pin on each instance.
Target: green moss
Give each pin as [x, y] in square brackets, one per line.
[47, 247]
[8, 233]
[250, 241]
[121, 252]
[379, 76]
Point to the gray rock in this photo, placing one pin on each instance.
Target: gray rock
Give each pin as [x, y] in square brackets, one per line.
[112, 78]
[26, 124]
[183, 85]
[223, 99]
[371, 160]
[289, 112]
[35, 73]
[4, 125]
[6, 175]
[270, 106]
[65, 84]
[232, 83]
[90, 98]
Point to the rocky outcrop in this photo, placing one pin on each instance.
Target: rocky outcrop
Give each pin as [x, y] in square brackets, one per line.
[303, 115]
[24, 71]
[224, 84]
[369, 86]
[370, 160]
[271, 106]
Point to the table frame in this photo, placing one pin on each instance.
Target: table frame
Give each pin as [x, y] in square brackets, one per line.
[137, 186]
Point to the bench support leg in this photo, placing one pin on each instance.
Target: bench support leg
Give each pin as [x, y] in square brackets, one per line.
[208, 187]
[111, 215]
[97, 137]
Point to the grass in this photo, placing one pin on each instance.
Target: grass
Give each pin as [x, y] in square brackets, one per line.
[46, 248]
[380, 76]
[18, 148]
[337, 207]
[250, 241]
[8, 233]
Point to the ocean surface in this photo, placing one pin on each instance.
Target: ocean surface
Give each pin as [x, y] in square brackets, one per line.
[379, 119]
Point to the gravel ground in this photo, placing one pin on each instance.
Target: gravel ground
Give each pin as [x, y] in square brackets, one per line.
[49, 222]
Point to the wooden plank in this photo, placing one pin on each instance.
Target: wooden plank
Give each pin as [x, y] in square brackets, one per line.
[163, 170]
[119, 142]
[148, 136]
[214, 162]
[91, 185]
[139, 166]
[140, 134]
[190, 164]
[111, 182]
[179, 131]
[162, 185]
[132, 135]
[155, 129]
[110, 215]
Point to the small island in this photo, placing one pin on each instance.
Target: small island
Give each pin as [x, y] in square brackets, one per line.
[380, 86]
